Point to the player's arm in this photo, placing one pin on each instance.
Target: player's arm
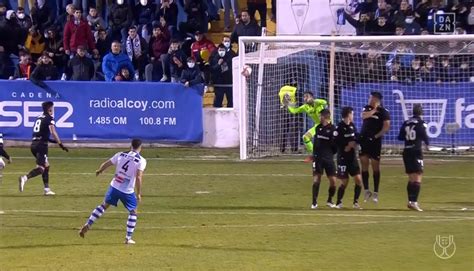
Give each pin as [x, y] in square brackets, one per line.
[52, 129]
[424, 134]
[385, 128]
[401, 134]
[366, 113]
[319, 102]
[296, 110]
[138, 184]
[386, 124]
[103, 167]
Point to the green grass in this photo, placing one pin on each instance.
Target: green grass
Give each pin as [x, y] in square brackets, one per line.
[255, 217]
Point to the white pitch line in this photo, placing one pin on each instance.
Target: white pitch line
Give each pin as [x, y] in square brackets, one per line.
[239, 175]
[309, 213]
[289, 225]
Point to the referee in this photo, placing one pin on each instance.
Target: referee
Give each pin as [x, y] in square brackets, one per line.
[376, 122]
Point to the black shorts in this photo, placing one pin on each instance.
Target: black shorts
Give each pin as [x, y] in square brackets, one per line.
[321, 165]
[40, 152]
[372, 149]
[413, 161]
[346, 167]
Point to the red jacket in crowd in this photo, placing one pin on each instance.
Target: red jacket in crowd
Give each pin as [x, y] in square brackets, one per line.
[201, 50]
[75, 35]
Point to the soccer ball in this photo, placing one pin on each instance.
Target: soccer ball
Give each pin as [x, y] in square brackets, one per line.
[2, 164]
[246, 71]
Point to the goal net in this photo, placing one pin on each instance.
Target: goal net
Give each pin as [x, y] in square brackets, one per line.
[434, 71]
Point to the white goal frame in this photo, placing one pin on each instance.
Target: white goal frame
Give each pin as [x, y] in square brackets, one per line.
[242, 102]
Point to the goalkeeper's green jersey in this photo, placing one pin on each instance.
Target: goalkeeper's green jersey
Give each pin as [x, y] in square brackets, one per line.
[311, 110]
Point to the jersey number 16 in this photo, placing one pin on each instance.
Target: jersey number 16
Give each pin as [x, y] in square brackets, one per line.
[410, 133]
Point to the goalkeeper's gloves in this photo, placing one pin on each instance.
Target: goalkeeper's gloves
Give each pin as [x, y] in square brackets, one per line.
[63, 147]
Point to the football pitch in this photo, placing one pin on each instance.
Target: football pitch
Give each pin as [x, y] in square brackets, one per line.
[205, 210]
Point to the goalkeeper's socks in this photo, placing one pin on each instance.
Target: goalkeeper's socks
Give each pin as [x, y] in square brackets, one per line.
[331, 192]
[96, 214]
[357, 190]
[376, 181]
[315, 192]
[340, 193]
[365, 179]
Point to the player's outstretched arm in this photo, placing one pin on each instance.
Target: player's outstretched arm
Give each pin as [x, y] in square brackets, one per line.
[52, 129]
[138, 184]
[103, 167]
[296, 110]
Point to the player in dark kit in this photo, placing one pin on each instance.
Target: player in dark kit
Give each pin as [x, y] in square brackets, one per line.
[323, 158]
[347, 164]
[413, 132]
[4, 154]
[42, 129]
[376, 122]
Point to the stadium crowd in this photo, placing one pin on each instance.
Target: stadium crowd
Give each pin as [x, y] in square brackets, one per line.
[122, 41]
[166, 41]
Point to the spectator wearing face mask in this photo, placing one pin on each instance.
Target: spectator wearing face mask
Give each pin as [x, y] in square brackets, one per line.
[227, 44]
[176, 60]
[157, 49]
[221, 72]
[144, 15]
[34, 43]
[120, 19]
[24, 22]
[80, 67]
[114, 61]
[43, 15]
[78, 32]
[411, 26]
[24, 68]
[191, 75]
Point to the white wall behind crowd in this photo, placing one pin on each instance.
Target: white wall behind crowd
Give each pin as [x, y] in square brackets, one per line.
[314, 17]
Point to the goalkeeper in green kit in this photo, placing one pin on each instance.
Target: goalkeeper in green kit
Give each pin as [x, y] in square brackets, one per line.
[312, 107]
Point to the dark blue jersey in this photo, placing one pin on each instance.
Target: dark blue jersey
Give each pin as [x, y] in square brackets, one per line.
[371, 126]
[413, 132]
[41, 130]
[324, 144]
[345, 133]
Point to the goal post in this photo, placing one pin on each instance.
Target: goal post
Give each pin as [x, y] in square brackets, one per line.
[435, 71]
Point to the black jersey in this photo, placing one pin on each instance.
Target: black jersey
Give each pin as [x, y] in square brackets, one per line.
[41, 130]
[413, 132]
[324, 146]
[345, 133]
[371, 126]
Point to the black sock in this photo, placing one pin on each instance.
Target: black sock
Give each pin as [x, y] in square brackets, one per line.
[376, 181]
[416, 190]
[46, 177]
[34, 172]
[410, 191]
[357, 189]
[331, 192]
[315, 192]
[340, 193]
[365, 179]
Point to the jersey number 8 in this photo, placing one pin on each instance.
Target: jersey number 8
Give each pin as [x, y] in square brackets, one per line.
[410, 133]
[37, 126]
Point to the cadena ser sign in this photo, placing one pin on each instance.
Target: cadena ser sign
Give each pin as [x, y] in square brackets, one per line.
[444, 105]
[102, 110]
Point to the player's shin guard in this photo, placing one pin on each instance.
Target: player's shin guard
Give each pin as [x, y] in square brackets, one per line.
[365, 179]
[340, 193]
[45, 176]
[131, 222]
[315, 192]
[376, 181]
[35, 172]
[96, 214]
[357, 190]
[331, 192]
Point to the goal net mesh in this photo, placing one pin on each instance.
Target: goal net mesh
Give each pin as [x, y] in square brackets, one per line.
[437, 74]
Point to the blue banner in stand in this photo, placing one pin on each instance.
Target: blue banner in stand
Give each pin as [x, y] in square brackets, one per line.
[443, 104]
[101, 110]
